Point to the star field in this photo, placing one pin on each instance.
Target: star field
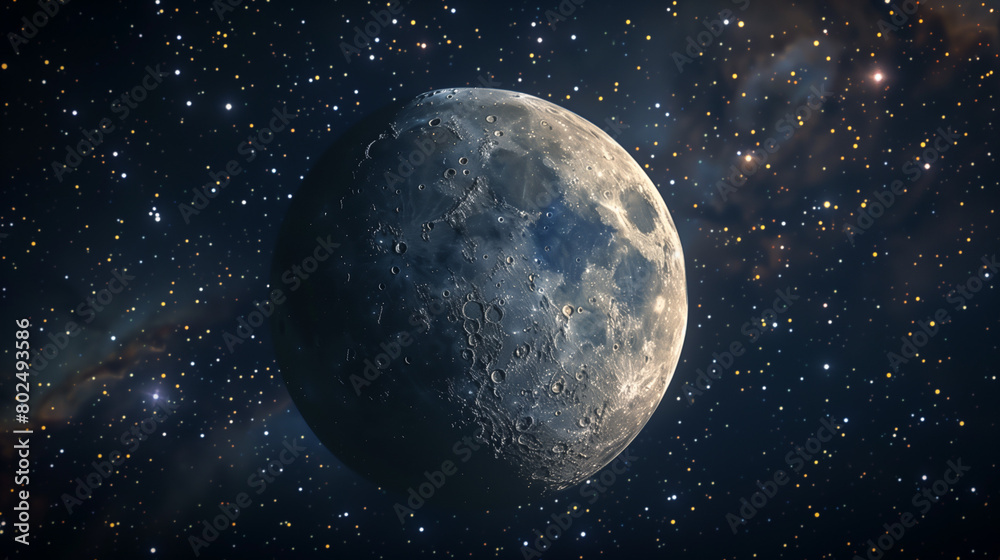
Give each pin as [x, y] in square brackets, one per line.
[835, 152]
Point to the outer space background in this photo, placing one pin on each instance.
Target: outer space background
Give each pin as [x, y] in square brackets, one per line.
[792, 225]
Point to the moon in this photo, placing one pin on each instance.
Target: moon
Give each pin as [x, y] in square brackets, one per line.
[479, 290]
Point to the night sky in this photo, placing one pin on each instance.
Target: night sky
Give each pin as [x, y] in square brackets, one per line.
[837, 153]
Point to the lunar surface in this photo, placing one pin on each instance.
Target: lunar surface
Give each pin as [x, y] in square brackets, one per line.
[507, 295]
